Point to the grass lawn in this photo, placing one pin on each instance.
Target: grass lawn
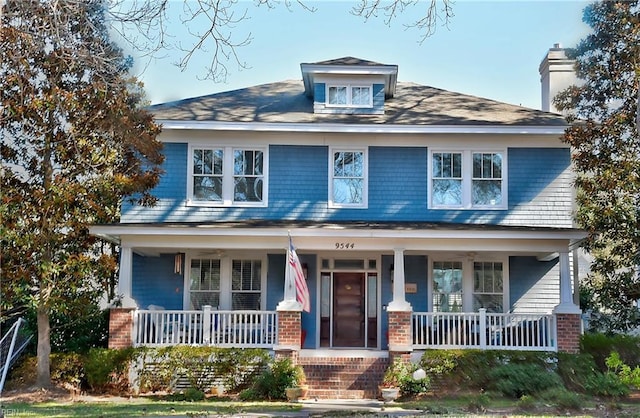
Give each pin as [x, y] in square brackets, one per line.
[459, 406]
[140, 407]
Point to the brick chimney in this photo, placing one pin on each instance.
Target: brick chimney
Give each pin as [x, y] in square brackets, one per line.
[556, 74]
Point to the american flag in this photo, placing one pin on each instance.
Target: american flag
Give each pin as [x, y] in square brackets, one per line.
[302, 292]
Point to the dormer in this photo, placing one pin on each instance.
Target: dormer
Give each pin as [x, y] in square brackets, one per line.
[349, 85]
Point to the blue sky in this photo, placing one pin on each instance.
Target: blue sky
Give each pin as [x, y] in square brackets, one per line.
[490, 49]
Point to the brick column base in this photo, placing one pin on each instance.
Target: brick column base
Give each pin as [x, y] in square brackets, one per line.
[289, 335]
[400, 331]
[120, 327]
[568, 332]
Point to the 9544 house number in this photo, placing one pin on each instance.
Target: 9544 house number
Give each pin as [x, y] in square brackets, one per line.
[345, 245]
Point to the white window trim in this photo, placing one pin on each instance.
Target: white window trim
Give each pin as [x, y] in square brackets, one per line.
[226, 263]
[349, 87]
[227, 176]
[467, 278]
[467, 178]
[365, 185]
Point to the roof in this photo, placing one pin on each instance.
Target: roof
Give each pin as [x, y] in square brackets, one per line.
[412, 104]
[348, 61]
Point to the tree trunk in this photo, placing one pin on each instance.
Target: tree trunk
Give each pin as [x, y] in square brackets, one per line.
[43, 379]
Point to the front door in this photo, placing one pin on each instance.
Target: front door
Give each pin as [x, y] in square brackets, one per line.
[348, 310]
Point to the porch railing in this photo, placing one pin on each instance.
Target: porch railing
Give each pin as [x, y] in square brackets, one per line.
[241, 329]
[483, 330]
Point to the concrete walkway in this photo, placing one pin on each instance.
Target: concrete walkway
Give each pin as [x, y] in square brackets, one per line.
[324, 408]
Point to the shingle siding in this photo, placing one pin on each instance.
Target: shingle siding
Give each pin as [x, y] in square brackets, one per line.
[154, 282]
[539, 190]
[533, 285]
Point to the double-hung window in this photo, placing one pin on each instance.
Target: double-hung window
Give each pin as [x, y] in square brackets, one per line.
[227, 176]
[349, 95]
[204, 283]
[468, 180]
[348, 182]
[246, 284]
[488, 288]
[225, 283]
[466, 285]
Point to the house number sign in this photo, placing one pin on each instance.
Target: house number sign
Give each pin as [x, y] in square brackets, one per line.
[345, 245]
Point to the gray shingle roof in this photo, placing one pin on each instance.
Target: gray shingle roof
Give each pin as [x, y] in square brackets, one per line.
[413, 104]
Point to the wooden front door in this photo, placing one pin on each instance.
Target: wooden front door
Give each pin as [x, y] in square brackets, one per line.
[348, 310]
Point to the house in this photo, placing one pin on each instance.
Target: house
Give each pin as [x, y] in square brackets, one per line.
[422, 218]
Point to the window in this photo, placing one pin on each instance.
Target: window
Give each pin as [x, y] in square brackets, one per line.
[486, 184]
[205, 283]
[228, 283]
[347, 95]
[227, 176]
[447, 179]
[246, 284]
[447, 286]
[466, 180]
[247, 175]
[348, 183]
[488, 286]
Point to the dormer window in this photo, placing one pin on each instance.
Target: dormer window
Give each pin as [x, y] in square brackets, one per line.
[354, 96]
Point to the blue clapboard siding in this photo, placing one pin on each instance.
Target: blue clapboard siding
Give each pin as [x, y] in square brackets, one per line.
[415, 270]
[534, 285]
[275, 290]
[155, 283]
[539, 190]
[319, 93]
[378, 96]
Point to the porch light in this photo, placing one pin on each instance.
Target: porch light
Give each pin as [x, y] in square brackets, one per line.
[177, 263]
[391, 268]
[305, 270]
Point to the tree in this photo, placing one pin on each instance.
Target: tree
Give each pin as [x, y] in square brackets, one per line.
[606, 155]
[212, 25]
[74, 142]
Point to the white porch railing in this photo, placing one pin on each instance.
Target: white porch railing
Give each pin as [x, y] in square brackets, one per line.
[242, 329]
[484, 330]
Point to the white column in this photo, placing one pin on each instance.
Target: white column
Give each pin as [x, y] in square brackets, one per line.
[566, 296]
[399, 302]
[125, 278]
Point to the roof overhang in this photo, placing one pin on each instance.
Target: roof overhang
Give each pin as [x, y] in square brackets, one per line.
[361, 128]
[384, 237]
[389, 72]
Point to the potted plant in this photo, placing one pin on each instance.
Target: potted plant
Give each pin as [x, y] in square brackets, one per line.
[297, 388]
[392, 380]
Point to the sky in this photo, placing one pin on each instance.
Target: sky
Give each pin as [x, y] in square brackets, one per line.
[490, 49]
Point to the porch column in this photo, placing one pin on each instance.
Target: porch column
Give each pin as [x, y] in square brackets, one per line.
[567, 313]
[125, 277]
[399, 310]
[398, 303]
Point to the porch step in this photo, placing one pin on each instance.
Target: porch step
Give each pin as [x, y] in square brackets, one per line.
[350, 377]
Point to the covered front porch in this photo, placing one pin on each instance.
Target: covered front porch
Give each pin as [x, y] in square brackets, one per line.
[378, 287]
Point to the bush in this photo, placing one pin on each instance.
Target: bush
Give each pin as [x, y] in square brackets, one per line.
[67, 368]
[575, 370]
[107, 368]
[516, 380]
[607, 384]
[203, 367]
[271, 384]
[600, 346]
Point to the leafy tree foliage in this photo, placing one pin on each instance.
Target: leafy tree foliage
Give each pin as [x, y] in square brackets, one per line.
[606, 155]
[74, 143]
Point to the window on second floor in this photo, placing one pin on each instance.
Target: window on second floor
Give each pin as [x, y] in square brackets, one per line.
[468, 179]
[227, 176]
[348, 95]
[348, 182]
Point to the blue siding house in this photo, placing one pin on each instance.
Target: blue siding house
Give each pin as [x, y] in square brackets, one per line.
[422, 218]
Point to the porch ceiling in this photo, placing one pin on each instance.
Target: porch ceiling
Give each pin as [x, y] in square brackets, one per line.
[318, 236]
